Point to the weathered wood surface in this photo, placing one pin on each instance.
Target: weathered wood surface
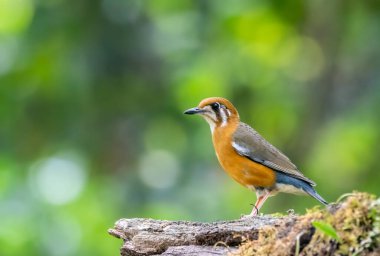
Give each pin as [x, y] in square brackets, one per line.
[150, 237]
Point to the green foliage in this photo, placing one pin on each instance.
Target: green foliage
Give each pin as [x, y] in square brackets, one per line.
[326, 229]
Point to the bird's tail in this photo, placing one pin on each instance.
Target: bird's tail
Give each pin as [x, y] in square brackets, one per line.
[300, 185]
[311, 191]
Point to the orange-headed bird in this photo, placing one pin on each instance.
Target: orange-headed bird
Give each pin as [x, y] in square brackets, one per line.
[248, 158]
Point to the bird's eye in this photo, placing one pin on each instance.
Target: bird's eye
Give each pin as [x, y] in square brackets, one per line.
[215, 106]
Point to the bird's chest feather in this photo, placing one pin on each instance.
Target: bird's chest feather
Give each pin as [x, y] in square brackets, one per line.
[240, 168]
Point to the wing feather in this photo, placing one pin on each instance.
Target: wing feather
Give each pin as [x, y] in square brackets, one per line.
[249, 143]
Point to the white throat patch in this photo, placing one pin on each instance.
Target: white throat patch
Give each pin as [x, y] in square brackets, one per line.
[211, 122]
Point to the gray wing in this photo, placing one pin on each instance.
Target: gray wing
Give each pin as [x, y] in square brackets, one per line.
[249, 143]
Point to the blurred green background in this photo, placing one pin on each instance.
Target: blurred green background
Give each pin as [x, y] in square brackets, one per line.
[92, 95]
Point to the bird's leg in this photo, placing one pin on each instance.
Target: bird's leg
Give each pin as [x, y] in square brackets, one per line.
[262, 196]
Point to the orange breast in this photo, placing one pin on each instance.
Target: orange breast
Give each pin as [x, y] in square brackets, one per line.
[240, 168]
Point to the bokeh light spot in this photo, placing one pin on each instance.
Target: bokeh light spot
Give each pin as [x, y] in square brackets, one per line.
[58, 180]
[198, 85]
[8, 53]
[160, 134]
[301, 58]
[63, 231]
[261, 32]
[15, 15]
[332, 156]
[179, 30]
[121, 12]
[159, 169]
[167, 7]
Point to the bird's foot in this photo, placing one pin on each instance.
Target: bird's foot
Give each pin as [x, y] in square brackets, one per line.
[253, 214]
[248, 216]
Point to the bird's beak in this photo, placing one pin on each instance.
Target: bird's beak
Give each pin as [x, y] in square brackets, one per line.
[193, 111]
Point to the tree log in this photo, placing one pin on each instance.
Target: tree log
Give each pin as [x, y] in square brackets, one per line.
[352, 226]
[148, 236]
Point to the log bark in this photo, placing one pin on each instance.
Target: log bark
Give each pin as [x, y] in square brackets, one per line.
[356, 222]
[149, 237]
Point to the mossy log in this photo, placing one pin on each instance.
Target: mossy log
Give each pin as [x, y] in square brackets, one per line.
[349, 227]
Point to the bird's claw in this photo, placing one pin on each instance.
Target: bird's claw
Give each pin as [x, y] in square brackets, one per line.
[245, 217]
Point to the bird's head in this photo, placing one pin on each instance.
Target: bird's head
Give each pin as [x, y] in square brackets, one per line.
[218, 112]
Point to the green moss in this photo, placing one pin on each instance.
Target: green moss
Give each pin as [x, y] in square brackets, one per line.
[278, 215]
[356, 221]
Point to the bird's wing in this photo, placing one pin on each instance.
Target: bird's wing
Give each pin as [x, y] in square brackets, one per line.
[249, 143]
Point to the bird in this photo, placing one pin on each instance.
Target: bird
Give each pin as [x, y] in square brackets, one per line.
[248, 158]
